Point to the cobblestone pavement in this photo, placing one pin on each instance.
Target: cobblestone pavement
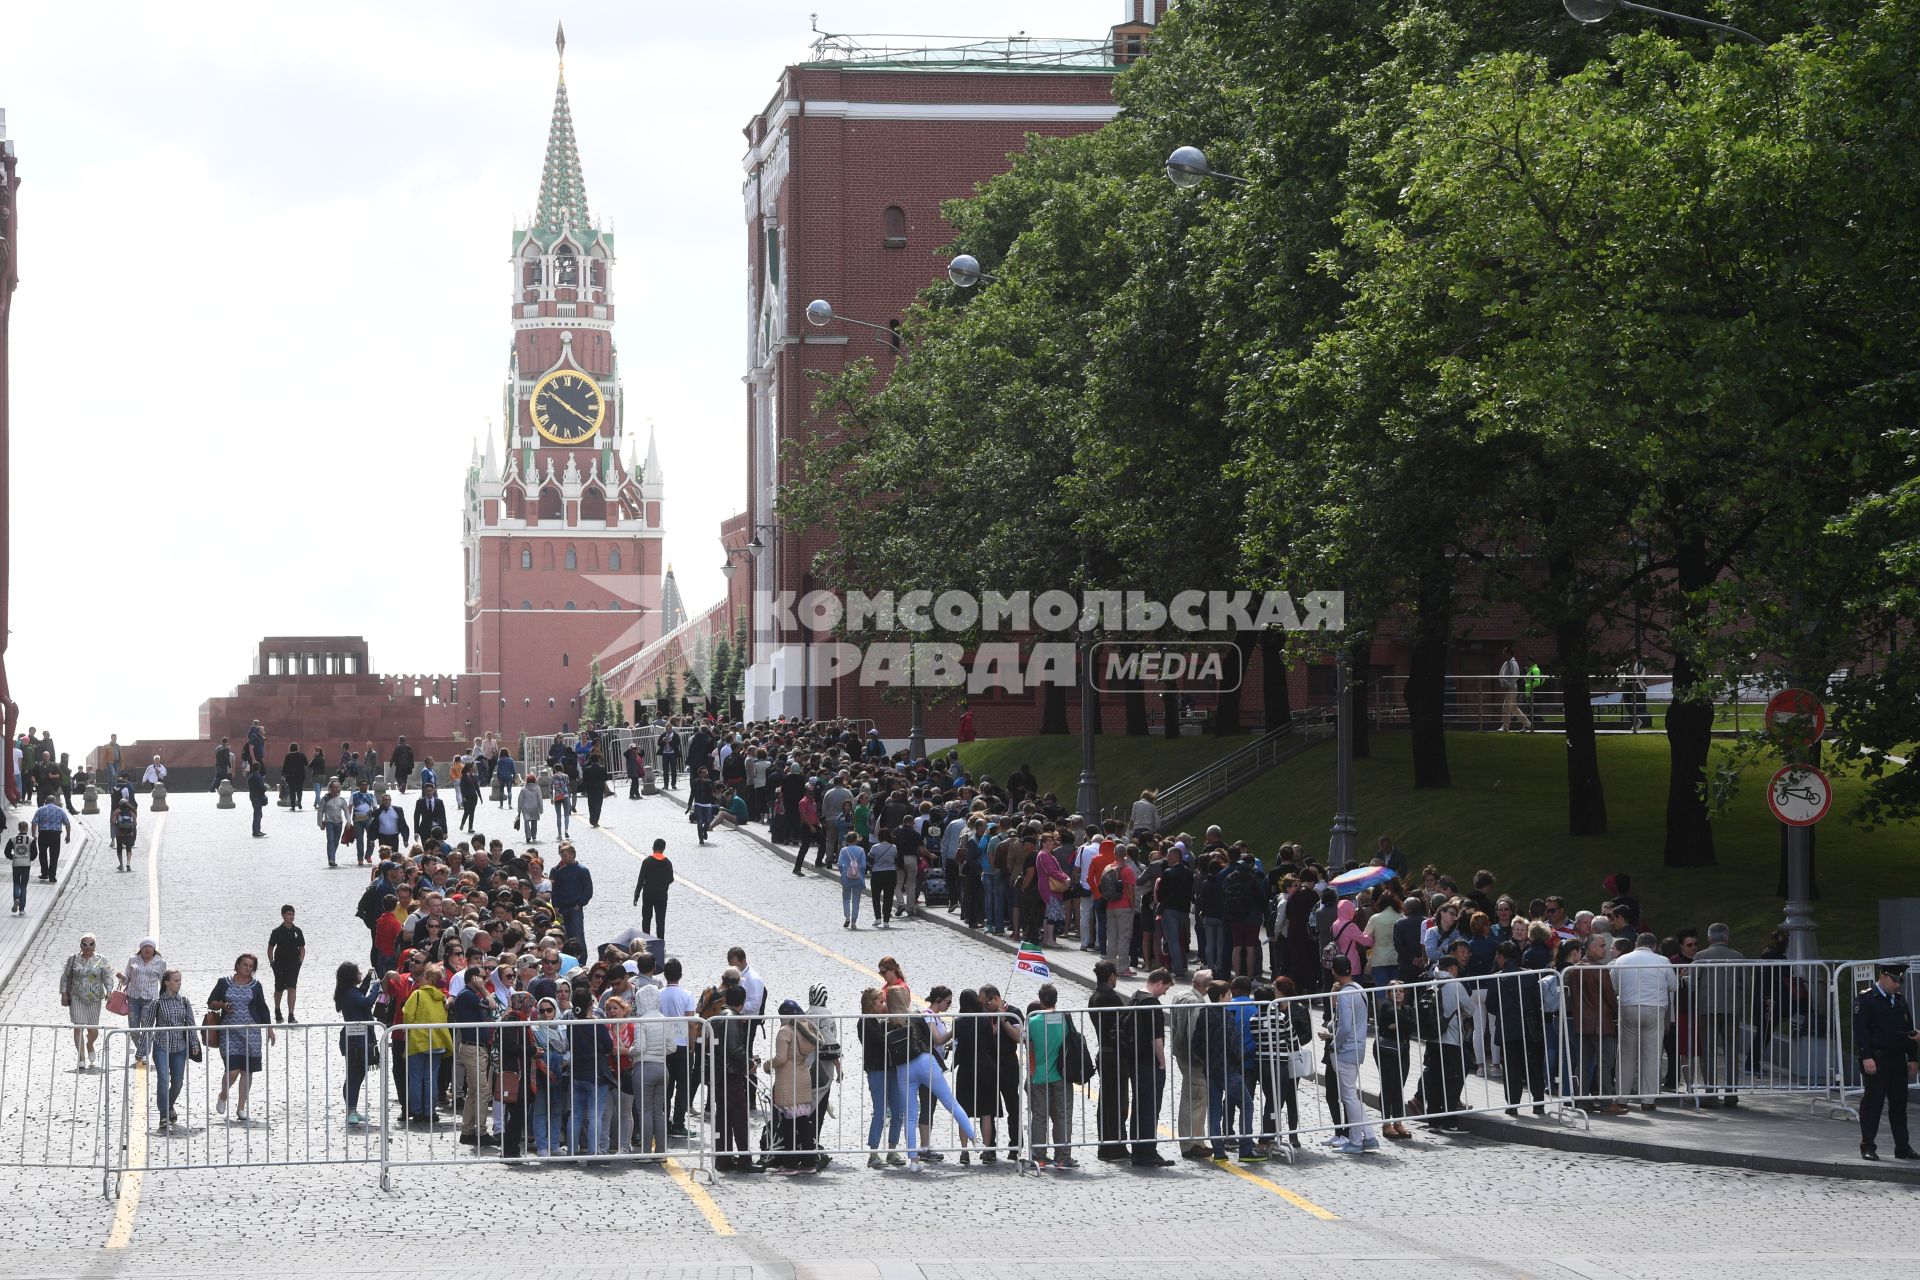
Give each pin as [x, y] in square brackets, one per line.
[1477, 1208]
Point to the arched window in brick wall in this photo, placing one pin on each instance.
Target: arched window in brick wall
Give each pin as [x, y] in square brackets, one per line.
[573, 560]
[552, 505]
[593, 504]
[613, 559]
[893, 227]
[526, 557]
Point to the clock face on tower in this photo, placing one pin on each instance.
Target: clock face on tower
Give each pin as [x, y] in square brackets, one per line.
[567, 406]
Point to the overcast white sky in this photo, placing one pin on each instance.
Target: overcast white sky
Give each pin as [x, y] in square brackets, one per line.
[262, 316]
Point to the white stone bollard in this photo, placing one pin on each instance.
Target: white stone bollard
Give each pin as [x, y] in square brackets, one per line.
[157, 799]
[226, 794]
[90, 803]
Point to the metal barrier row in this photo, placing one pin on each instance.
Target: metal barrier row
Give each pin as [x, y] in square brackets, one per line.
[907, 1086]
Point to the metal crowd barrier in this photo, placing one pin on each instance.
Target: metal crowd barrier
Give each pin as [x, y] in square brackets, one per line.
[364, 1093]
[1238, 1078]
[55, 1113]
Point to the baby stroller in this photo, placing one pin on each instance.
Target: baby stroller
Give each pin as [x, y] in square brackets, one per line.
[126, 829]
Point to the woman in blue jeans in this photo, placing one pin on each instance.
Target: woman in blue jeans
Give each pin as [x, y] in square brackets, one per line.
[886, 1082]
[174, 1031]
[548, 1108]
[853, 883]
[922, 1071]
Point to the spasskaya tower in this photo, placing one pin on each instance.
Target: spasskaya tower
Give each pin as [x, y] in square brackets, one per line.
[562, 532]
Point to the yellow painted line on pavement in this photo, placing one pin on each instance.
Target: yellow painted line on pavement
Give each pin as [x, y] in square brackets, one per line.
[702, 1199]
[1293, 1198]
[129, 1203]
[680, 881]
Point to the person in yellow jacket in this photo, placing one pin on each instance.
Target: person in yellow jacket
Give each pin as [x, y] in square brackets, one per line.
[429, 1042]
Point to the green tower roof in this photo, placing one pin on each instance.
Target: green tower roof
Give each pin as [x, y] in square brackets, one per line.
[563, 189]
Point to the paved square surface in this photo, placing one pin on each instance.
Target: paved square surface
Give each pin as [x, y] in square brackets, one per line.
[1472, 1207]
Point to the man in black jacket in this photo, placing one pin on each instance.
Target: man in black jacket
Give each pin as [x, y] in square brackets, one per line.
[257, 794]
[293, 775]
[402, 763]
[1114, 1075]
[1888, 1050]
[650, 890]
[429, 813]
[593, 784]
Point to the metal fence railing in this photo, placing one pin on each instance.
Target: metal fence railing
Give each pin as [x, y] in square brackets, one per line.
[1624, 703]
[1223, 1075]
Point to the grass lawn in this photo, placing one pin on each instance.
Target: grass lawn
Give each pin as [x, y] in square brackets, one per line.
[1506, 812]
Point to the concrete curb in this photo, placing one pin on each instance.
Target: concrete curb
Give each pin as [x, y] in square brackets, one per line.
[1588, 1142]
[71, 858]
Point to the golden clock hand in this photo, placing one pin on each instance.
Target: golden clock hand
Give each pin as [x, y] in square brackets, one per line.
[575, 412]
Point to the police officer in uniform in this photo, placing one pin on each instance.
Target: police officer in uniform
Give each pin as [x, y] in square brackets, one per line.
[1889, 1053]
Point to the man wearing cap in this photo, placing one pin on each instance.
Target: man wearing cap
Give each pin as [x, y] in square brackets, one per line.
[1889, 1052]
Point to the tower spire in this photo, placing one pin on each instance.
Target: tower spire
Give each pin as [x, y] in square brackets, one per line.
[563, 189]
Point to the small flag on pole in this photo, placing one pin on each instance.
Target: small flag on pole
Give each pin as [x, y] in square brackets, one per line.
[1034, 962]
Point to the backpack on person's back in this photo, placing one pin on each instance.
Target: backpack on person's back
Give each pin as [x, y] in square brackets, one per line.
[1240, 892]
[1113, 886]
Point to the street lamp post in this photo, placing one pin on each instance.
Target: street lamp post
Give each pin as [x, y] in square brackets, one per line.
[1187, 168]
[964, 271]
[1593, 11]
[820, 313]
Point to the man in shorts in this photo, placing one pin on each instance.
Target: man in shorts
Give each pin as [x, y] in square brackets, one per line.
[286, 951]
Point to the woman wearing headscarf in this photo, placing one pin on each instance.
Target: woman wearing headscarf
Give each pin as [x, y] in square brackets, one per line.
[515, 1040]
[791, 1066]
[141, 980]
[549, 1077]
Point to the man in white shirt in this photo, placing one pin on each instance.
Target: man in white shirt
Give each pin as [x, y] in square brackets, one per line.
[156, 773]
[1089, 900]
[677, 1005]
[1646, 982]
[1510, 694]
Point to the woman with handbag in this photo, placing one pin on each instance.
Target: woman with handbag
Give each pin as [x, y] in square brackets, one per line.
[84, 982]
[175, 1042]
[241, 1003]
[529, 807]
[1053, 883]
[354, 998]
[516, 1053]
[140, 987]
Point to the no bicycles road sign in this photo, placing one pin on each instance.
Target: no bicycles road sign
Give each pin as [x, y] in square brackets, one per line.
[1799, 795]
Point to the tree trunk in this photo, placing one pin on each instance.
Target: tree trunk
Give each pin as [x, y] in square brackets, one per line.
[1170, 715]
[1689, 841]
[1586, 798]
[1226, 716]
[1136, 711]
[1053, 708]
[1359, 656]
[1427, 685]
[1275, 698]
